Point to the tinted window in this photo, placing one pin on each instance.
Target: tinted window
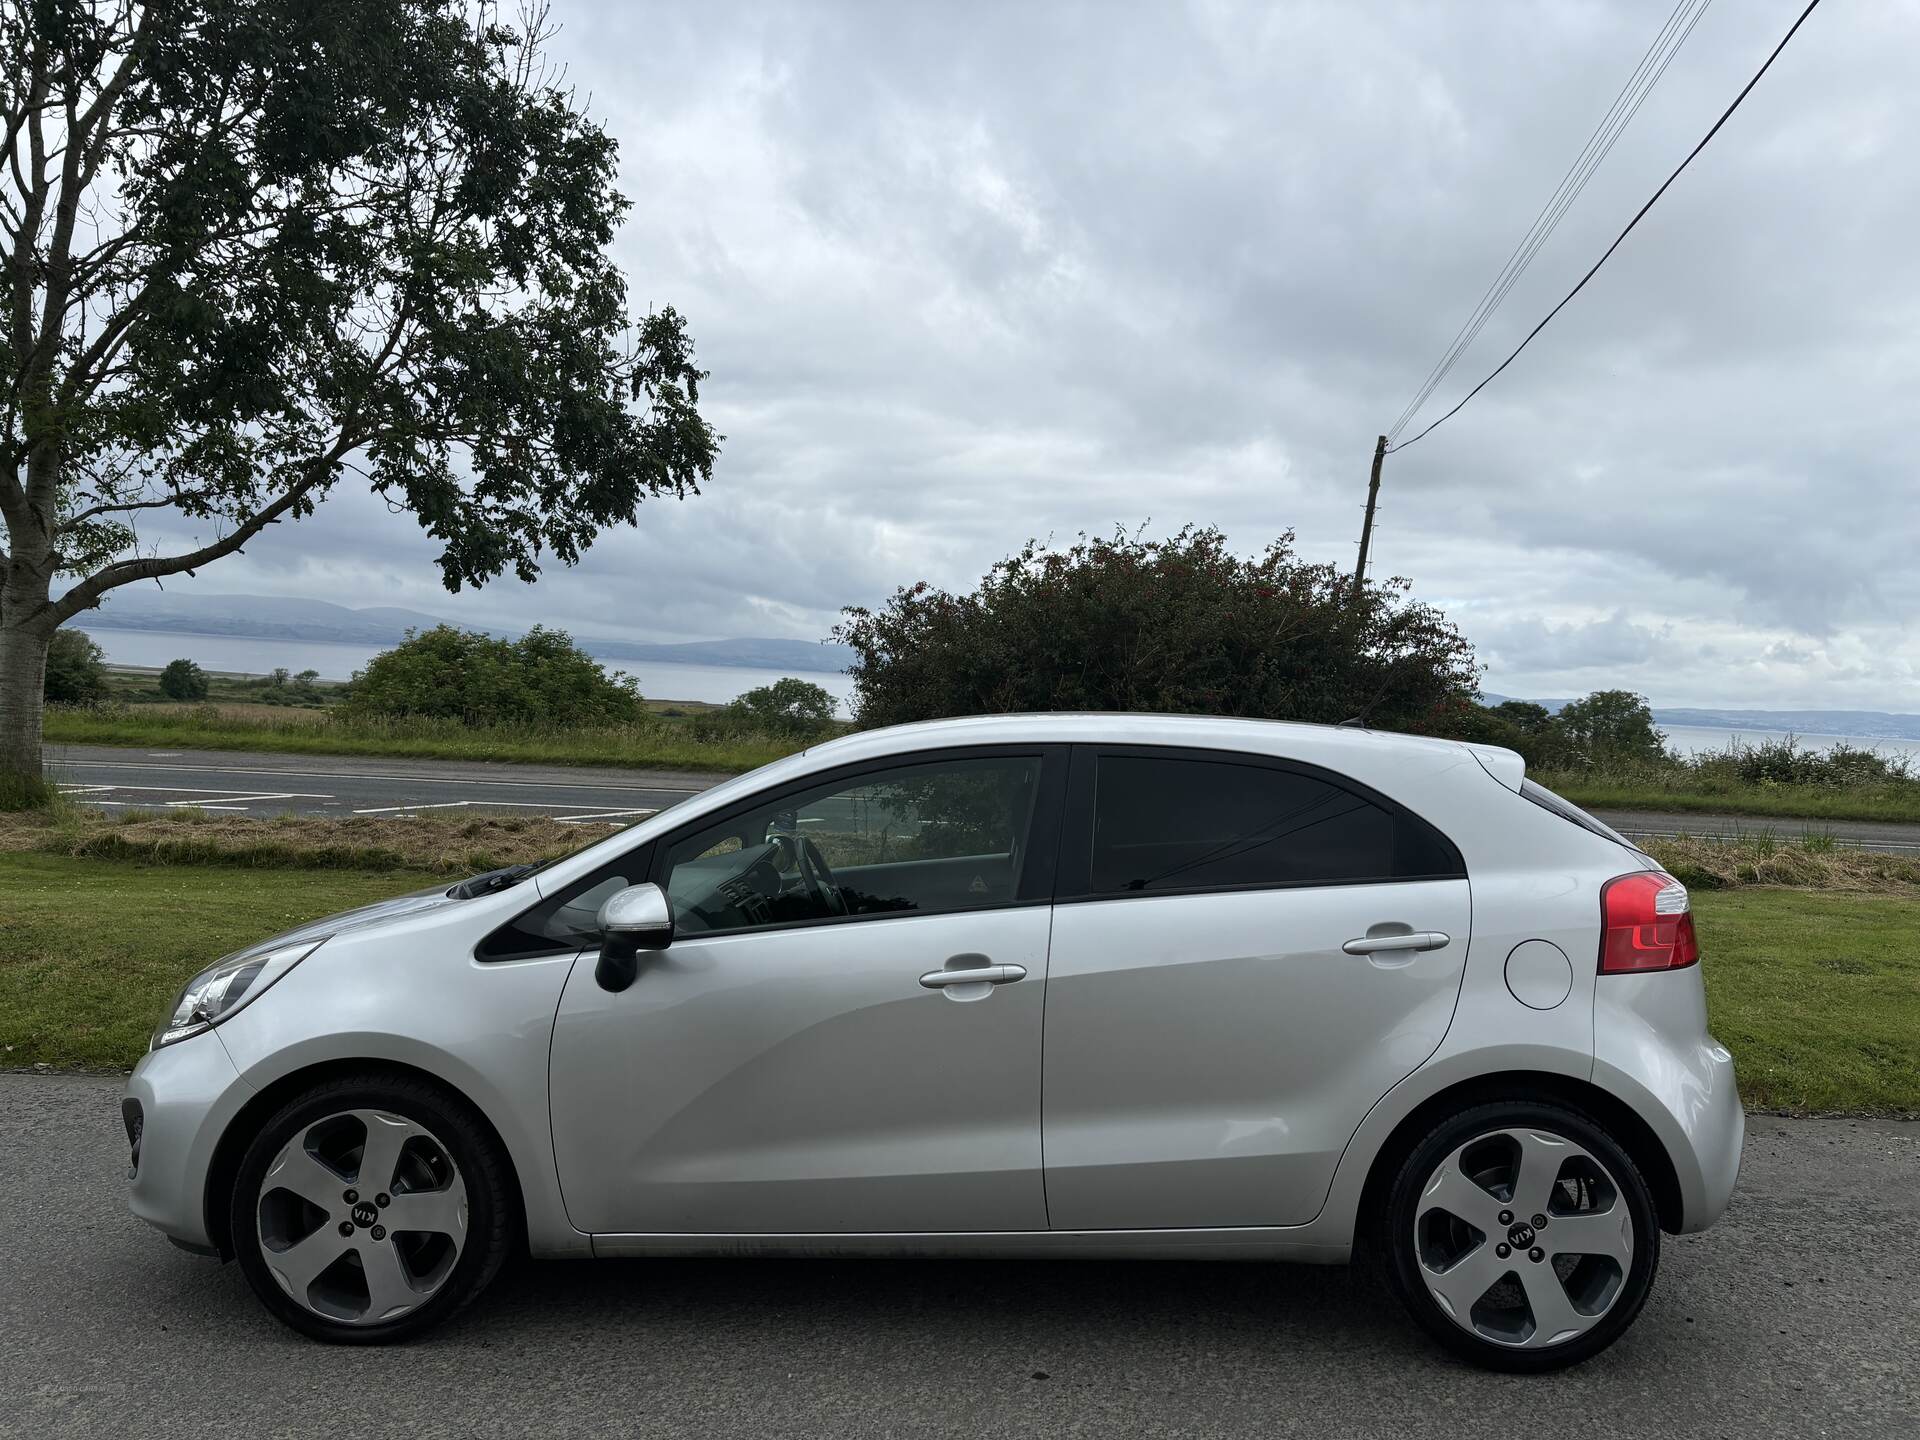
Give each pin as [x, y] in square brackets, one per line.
[946, 835]
[568, 920]
[1162, 823]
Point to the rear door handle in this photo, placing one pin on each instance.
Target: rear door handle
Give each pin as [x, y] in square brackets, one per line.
[1418, 940]
[977, 975]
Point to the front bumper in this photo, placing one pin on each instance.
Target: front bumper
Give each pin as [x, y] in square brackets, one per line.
[187, 1094]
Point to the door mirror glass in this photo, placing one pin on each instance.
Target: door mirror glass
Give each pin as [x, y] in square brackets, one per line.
[637, 918]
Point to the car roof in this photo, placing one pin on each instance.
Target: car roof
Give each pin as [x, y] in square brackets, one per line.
[1324, 744]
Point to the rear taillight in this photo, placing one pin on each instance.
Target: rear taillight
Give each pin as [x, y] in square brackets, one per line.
[1645, 924]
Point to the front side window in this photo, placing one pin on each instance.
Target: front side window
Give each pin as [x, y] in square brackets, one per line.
[939, 836]
[1163, 823]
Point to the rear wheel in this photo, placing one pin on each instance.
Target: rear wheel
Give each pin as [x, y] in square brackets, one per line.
[1521, 1236]
[370, 1208]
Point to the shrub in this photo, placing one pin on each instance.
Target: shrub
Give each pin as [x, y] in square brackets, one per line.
[1158, 625]
[76, 669]
[183, 680]
[542, 678]
[790, 709]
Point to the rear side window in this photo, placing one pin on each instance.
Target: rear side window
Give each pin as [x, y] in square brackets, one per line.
[1172, 823]
[1567, 810]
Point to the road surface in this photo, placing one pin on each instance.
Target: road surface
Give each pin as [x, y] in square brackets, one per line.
[233, 782]
[1798, 1315]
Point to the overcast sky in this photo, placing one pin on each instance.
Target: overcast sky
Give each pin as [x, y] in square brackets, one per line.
[969, 273]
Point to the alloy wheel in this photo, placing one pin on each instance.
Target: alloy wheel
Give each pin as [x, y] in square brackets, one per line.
[1523, 1238]
[362, 1216]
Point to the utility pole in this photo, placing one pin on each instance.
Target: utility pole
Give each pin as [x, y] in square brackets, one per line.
[1366, 527]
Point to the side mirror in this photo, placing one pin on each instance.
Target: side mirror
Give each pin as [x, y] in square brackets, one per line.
[637, 918]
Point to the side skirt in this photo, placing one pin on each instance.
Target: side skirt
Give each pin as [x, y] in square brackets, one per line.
[1244, 1244]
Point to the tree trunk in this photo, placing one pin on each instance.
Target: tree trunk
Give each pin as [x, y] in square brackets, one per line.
[23, 673]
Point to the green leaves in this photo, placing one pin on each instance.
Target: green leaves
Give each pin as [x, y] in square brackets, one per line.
[365, 234]
[1176, 625]
[540, 679]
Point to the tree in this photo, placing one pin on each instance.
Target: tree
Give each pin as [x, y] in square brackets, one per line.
[183, 680]
[1611, 724]
[796, 709]
[250, 247]
[76, 673]
[1181, 624]
[542, 678]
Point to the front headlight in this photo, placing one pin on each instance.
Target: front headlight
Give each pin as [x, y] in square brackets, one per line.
[224, 986]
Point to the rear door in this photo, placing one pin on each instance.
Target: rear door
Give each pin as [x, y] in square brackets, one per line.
[1246, 955]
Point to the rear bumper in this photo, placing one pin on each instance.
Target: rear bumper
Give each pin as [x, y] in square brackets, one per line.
[187, 1094]
[1652, 1049]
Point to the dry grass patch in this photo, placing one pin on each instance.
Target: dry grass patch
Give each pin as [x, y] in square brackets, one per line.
[439, 845]
[1800, 865]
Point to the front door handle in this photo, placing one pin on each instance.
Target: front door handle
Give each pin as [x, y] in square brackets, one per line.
[1418, 940]
[976, 975]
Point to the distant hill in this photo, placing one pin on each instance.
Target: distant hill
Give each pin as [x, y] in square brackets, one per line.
[1855, 724]
[269, 617]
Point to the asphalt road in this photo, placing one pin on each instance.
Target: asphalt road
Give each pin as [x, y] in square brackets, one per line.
[237, 783]
[1799, 1314]
[233, 782]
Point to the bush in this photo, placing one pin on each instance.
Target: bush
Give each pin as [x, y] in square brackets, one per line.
[1176, 625]
[788, 709]
[183, 680]
[76, 670]
[542, 678]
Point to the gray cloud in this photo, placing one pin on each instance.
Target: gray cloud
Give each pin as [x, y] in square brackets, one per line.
[967, 274]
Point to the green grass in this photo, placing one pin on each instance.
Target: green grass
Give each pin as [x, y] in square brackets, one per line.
[92, 951]
[1818, 996]
[1895, 801]
[1817, 993]
[654, 743]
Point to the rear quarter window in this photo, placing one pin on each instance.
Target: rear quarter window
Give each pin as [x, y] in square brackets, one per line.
[1173, 823]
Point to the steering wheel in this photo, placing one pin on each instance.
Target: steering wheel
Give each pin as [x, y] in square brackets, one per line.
[817, 877]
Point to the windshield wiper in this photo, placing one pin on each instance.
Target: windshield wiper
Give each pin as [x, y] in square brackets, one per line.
[491, 881]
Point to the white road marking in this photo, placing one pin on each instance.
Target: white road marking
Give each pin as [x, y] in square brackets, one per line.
[226, 790]
[238, 802]
[606, 815]
[409, 809]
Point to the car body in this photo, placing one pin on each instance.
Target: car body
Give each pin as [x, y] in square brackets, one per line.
[1116, 985]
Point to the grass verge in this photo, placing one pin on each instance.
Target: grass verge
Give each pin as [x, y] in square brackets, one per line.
[1816, 992]
[428, 844]
[1818, 996]
[654, 743]
[1897, 801]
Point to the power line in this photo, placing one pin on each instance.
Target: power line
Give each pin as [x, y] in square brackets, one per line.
[1633, 94]
[1726, 115]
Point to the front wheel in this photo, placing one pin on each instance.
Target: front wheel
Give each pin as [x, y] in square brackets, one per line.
[1521, 1236]
[370, 1208]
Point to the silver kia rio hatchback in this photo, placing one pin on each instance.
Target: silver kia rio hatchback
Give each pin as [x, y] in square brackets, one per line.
[1036, 985]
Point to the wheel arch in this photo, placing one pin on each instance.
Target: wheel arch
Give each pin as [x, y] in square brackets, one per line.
[246, 1124]
[1613, 1114]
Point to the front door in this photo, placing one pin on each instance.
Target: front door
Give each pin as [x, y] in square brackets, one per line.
[793, 1063]
[1211, 1043]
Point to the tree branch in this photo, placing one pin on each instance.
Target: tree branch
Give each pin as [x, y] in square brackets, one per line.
[87, 593]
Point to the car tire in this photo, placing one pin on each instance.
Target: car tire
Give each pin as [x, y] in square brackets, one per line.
[1458, 1211]
[359, 1257]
